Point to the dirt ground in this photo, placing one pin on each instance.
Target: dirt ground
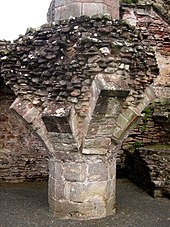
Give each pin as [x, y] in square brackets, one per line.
[25, 204]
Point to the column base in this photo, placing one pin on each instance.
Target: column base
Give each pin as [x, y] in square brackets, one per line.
[93, 209]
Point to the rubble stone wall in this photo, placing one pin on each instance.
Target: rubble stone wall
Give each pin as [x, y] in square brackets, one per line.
[153, 130]
[155, 31]
[68, 75]
[23, 157]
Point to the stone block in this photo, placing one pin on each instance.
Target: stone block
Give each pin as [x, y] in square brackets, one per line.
[55, 188]
[57, 14]
[105, 129]
[96, 205]
[60, 3]
[131, 114]
[99, 151]
[98, 171]
[66, 156]
[42, 132]
[93, 129]
[112, 168]
[55, 206]
[20, 106]
[99, 142]
[142, 105]
[111, 188]
[66, 147]
[75, 172]
[55, 169]
[31, 114]
[91, 9]
[145, 102]
[122, 122]
[71, 10]
[118, 133]
[62, 142]
[150, 93]
[71, 210]
[67, 187]
[81, 192]
[61, 138]
[114, 11]
[111, 206]
[37, 123]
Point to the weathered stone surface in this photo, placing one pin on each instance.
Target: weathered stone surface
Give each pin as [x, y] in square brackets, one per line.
[84, 189]
[153, 130]
[66, 9]
[23, 157]
[55, 189]
[75, 172]
[80, 192]
[98, 171]
[81, 71]
[55, 169]
[100, 68]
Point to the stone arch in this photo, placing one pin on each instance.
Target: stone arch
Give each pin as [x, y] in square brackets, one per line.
[59, 73]
[19, 161]
[32, 116]
[149, 20]
[145, 151]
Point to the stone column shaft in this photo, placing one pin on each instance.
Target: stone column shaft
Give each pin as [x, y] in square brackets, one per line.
[82, 190]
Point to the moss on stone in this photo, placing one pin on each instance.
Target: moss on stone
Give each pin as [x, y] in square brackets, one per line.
[147, 113]
[158, 147]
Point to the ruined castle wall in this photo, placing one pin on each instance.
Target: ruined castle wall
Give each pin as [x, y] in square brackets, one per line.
[155, 31]
[58, 63]
[23, 157]
[134, 159]
[147, 132]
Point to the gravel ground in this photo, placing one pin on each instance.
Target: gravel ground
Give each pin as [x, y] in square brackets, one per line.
[25, 204]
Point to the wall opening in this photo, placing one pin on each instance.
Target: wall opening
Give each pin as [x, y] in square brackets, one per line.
[145, 155]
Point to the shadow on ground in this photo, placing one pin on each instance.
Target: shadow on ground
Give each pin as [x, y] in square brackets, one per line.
[25, 204]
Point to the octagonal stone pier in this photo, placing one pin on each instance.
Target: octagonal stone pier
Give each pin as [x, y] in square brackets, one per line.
[65, 9]
[82, 190]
